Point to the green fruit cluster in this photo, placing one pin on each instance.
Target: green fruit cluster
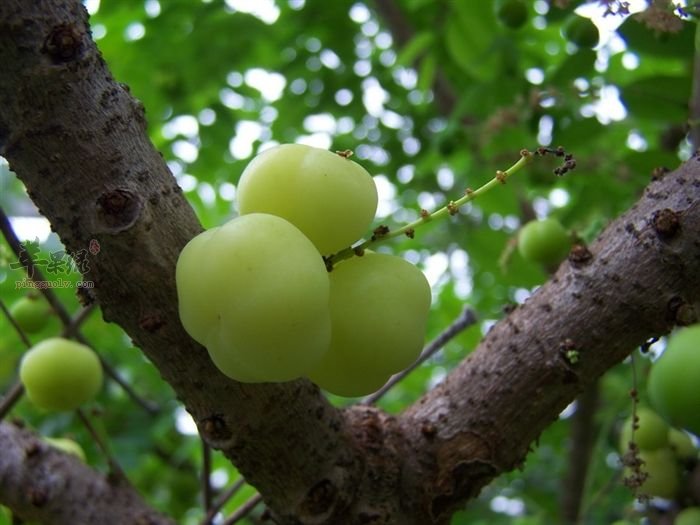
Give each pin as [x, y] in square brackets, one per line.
[257, 294]
[545, 242]
[662, 449]
[673, 380]
[59, 374]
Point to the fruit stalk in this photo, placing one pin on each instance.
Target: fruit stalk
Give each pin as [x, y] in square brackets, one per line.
[382, 233]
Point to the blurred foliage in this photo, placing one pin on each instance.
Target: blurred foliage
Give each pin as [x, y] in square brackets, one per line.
[222, 80]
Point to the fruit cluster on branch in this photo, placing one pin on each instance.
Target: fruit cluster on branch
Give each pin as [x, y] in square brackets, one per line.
[257, 294]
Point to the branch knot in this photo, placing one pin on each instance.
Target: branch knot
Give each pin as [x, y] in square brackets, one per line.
[64, 43]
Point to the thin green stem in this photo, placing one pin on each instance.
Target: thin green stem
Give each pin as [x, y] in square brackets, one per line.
[465, 319]
[207, 494]
[694, 103]
[10, 399]
[221, 500]
[115, 469]
[383, 234]
[14, 324]
[245, 509]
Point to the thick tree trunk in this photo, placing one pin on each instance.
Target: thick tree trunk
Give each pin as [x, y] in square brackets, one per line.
[77, 140]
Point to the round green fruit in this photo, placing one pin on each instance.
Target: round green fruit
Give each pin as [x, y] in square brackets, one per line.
[581, 31]
[681, 444]
[330, 198]
[651, 434]
[664, 475]
[511, 13]
[67, 445]
[255, 293]
[545, 242]
[673, 380]
[59, 374]
[379, 308]
[688, 516]
[31, 313]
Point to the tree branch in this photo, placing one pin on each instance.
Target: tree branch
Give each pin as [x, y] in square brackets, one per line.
[694, 103]
[42, 484]
[581, 442]
[402, 31]
[71, 326]
[639, 275]
[78, 141]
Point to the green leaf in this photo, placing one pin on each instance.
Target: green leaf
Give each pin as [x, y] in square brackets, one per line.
[578, 65]
[428, 69]
[470, 39]
[661, 97]
[415, 47]
[641, 39]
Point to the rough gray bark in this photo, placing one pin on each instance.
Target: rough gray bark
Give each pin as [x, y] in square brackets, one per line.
[637, 281]
[77, 140]
[48, 486]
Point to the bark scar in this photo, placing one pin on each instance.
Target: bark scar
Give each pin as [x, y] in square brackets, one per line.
[465, 465]
[215, 429]
[64, 43]
[118, 209]
[320, 498]
[151, 322]
[666, 223]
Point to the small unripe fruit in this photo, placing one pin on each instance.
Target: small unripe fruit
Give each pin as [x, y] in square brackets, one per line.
[545, 242]
[688, 516]
[59, 374]
[651, 434]
[681, 444]
[581, 31]
[664, 476]
[673, 380]
[511, 13]
[67, 445]
[31, 313]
